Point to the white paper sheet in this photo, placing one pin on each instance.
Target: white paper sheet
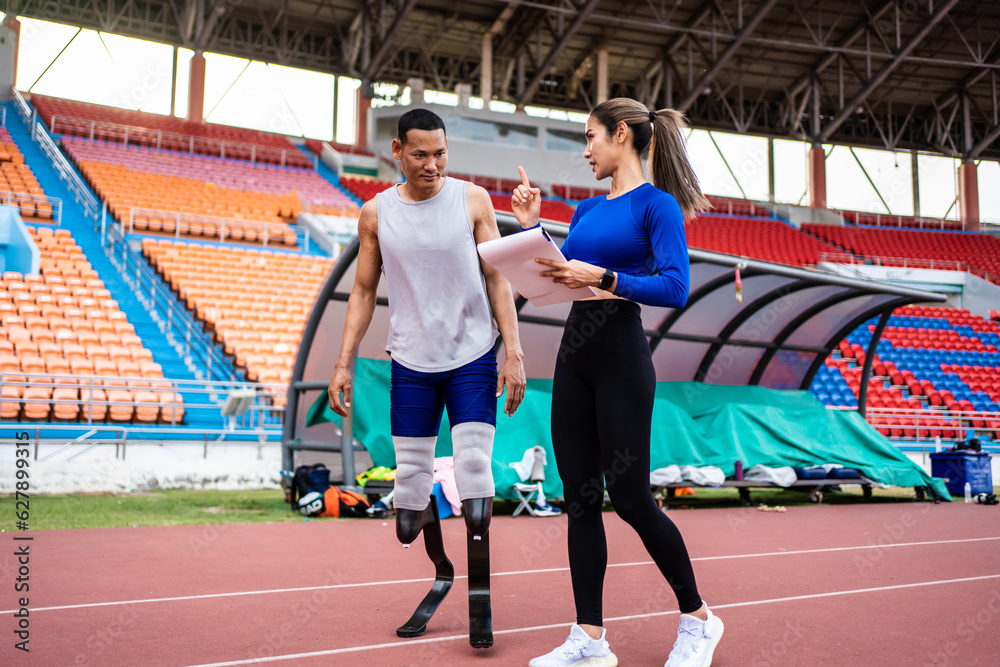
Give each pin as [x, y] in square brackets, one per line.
[514, 257]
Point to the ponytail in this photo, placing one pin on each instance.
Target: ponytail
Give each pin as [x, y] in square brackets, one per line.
[669, 165]
[662, 133]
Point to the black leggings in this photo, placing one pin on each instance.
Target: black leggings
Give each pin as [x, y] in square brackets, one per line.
[602, 404]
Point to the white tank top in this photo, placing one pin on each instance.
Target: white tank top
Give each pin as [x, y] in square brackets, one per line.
[439, 313]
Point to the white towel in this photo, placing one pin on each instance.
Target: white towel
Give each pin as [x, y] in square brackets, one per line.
[703, 476]
[782, 476]
[525, 466]
[668, 475]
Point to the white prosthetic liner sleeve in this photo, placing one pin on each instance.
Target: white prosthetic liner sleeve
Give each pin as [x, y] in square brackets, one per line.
[414, 472]
[473, 446]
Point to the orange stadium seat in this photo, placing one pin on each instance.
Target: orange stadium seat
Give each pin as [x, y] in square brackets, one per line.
[198, 275]
[67, 330]
[10, 402]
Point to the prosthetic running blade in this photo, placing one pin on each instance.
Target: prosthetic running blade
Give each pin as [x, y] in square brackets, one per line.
[444, 577]
[480, 614]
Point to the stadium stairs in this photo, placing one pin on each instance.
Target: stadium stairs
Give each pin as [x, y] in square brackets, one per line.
[75, 221]
[330, 176]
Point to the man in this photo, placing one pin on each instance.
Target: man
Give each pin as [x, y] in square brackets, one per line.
[443, 301]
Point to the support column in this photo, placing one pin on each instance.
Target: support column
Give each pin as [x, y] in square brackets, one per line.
[668, 83]
[602, 74]
[817, 177]
[486, 71]
[914, 156]
[364, 105]
[9, 46]
[173, 84]
[196, 89]
[968, 196]
[770, 169]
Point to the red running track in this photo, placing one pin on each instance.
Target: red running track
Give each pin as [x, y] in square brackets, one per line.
[898, 584]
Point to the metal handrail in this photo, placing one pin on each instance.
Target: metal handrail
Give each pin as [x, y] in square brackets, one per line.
[159, 298]
[63, 167]
[266, 409]
[958, 421]
[909, 263]
[898, 262]
[166, 140]
[914, 222]
[10, 198]
[22, 108]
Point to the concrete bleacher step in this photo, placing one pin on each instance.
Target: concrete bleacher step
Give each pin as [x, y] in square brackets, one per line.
[816, 236]
[75, 221]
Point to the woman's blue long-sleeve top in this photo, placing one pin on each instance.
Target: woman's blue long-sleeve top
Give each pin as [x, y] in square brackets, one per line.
[639, 235]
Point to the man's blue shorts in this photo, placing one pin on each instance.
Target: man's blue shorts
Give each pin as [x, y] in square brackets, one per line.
[418, 398]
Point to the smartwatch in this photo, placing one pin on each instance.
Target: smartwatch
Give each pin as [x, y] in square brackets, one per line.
[607, 280]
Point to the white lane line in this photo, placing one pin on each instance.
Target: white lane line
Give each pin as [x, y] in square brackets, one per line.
[209, 596]
[732, 605]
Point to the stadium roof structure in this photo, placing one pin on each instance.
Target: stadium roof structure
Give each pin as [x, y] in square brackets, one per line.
[892, 74]
[788, 322]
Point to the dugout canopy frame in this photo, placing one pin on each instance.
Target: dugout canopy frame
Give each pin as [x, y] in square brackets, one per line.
[788, 322]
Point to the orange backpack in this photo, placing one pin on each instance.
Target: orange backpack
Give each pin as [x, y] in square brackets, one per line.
[334, 502]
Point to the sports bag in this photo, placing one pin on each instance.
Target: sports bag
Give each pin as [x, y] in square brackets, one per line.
[309, 479]
[334, 502]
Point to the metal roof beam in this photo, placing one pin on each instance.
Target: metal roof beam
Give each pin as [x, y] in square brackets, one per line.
[578, 22]
[378, 59]
[852, 36]
[215, 12]
[675, 42]
[886, 70]
[984, 143]
[728, 53]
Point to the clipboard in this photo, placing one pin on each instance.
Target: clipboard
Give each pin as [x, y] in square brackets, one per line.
[514, 257]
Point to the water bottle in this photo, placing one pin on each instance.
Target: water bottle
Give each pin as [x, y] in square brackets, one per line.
[738, 475]
[968, 492]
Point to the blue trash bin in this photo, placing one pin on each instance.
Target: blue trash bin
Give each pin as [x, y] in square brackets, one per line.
[961, 467]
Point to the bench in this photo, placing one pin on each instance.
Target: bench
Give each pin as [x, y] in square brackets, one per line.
[814, 486]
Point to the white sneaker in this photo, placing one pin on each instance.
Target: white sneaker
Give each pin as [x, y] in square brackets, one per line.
[545, 509]
[696, 641]
[579, 650]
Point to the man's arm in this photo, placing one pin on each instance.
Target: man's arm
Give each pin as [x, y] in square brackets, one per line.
[484, 228]
[360, 307]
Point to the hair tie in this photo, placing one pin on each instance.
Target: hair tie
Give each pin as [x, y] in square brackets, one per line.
[652, 116]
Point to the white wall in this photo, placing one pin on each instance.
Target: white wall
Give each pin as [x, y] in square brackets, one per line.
[166, 466]
[8, 53]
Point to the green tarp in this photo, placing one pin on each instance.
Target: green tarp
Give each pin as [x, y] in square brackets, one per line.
[693, 424]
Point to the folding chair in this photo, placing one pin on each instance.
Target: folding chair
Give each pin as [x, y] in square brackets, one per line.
[530, 493]
[526, 494]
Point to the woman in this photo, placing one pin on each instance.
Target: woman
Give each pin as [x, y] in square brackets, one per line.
[630, 246]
